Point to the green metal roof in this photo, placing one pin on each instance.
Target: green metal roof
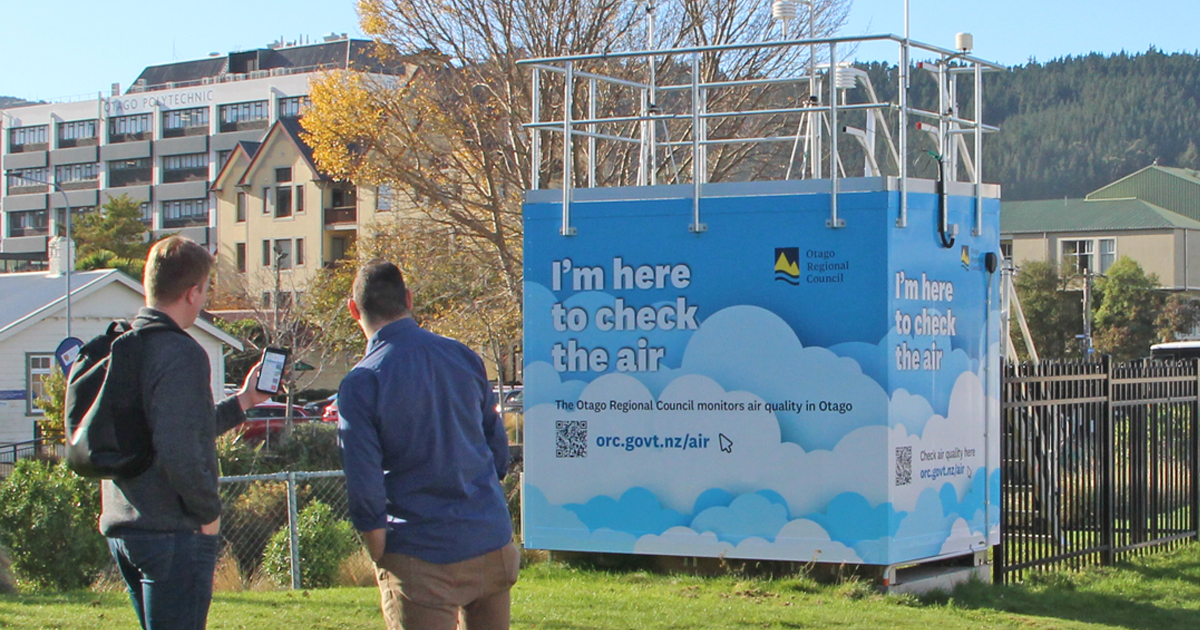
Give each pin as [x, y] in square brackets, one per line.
[1088, 215]
[1175, 189]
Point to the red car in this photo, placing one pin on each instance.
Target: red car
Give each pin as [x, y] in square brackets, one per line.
[269, 418]
[331, 412]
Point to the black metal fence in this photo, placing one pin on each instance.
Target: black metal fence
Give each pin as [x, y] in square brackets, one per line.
[41, 447]
[1099, 462]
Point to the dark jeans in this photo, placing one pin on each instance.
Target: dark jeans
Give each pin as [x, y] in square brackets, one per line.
[169, 575]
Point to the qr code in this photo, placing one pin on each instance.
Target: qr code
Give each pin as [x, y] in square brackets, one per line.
[903, 465]
[571, 438]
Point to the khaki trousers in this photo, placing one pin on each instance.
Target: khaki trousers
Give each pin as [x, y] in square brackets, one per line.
[470, 595]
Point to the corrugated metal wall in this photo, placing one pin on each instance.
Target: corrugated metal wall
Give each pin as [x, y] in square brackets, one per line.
[1157, 187]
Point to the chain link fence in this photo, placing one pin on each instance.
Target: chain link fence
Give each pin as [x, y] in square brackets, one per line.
[289, 530]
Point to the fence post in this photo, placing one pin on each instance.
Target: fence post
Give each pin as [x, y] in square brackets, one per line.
[1194, 421]
[1108, 555]
[293, 530]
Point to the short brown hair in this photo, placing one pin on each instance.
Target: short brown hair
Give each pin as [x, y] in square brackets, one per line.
[174, 265]
[379, 291]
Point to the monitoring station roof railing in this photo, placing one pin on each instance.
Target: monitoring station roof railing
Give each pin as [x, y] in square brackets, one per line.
[797, 111]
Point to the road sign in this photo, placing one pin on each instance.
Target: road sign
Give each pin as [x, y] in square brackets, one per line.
[67, 352]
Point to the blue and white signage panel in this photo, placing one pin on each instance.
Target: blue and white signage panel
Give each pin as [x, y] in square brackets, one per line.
[767, 389]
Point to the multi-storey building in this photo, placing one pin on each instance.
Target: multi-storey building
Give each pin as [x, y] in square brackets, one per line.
[280, 219]
[162, 142]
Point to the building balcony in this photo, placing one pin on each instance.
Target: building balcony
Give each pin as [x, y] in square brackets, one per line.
[199, 220]
[27, 148]
[15, 231]
[128, 137]
[346, 216]
[185, 175]
[243, 125]
[67, 143]
[86, 184]
[180, 132]
[129, 177]
[28, 190]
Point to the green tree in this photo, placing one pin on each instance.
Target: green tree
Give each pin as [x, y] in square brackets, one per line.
[1179, 315]
[48, 519]
[117, 228]
[104, 259]
[1052, 313]
[1130, 305]
[52, 402]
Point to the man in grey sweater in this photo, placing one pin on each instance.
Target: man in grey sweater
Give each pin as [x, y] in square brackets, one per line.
[162, 526]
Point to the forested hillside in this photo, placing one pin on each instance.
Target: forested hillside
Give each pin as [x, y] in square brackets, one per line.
[9, 101]
[1072, 125]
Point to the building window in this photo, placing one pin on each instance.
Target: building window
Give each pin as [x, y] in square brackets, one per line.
[266, 253]
[283, 202]
[135, 172]
[240, 215]
[266, 299]
[34, 138]
[299, 252]
[292, 106]
[1006, 250]
[240, 254]
[1108, 253]
[185, 122]
[338, 247]
[77, 133]
[38, 367]
[299, 199]
[222, 158]
[266, 200]
[130, 128]
[283, 253]
[1077, 256]
[27, 180]
[185, 168]
[243, 116]
[147, 213]
[73, 176]
[383, 198]
[60, 217]
[28, 223]
[283, 175]
[185, 213]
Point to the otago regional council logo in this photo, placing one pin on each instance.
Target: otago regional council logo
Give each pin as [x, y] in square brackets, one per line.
[787, 265]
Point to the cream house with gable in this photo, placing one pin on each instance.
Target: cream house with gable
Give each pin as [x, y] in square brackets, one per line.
[278, 214]
[33, 323]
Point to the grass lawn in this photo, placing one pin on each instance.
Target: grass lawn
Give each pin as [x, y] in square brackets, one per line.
[1158, 592]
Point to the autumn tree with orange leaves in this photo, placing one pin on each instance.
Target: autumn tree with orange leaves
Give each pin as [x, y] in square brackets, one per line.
[447, 136]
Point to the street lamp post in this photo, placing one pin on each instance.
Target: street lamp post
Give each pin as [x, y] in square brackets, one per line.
[70, 254]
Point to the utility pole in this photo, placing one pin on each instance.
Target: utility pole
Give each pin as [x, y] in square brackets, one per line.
[1087, 312]
[277, 337]
[68, 250]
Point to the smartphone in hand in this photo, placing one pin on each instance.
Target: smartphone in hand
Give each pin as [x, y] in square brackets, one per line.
[274, 360]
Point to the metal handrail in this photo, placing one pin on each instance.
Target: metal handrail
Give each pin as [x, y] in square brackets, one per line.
[818, 131]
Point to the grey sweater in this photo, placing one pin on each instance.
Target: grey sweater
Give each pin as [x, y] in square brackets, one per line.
[179, 491]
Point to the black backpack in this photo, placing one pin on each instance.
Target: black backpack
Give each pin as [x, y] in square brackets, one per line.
[107, 433]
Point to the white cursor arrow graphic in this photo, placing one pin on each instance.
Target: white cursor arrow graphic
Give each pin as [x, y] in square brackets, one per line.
[726, 443]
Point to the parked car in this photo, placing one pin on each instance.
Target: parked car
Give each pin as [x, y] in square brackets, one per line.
[317, 408]
[331, 411]
[513, 402]
[269, 418]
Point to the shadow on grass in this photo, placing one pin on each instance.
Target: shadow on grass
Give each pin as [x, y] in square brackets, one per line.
[1059, 597]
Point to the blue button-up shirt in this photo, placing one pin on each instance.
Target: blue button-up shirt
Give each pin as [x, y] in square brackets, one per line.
[423, 447]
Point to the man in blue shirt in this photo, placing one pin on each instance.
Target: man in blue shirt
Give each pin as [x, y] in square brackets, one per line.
[424, 452]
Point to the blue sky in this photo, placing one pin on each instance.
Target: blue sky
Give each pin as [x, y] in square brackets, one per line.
[57, 48]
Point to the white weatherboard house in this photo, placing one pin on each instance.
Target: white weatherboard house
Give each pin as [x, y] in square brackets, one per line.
[33, 323]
